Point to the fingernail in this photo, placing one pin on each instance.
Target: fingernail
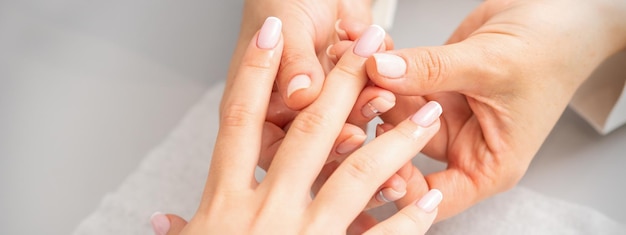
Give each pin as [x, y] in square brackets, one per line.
[390, 66]
[298, 82]
[342, 34]
[160, 223]
[370, 41]
[270, 33]
[389, 195]
[377, 106]
[427, 115]
[350, 144]
[430, 201]
[331, 53]
[379, 129]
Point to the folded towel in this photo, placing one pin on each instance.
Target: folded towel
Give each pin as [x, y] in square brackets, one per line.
[171, 178]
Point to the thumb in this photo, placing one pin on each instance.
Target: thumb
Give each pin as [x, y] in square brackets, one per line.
[461, 67]
[169, 224]
[300, 76]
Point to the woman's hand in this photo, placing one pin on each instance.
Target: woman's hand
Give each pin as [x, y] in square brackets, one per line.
[503, 80]
[309, 29]
[235, 203]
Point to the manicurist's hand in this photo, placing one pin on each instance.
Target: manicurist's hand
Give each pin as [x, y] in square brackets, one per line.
[235, 203]
[503, 80]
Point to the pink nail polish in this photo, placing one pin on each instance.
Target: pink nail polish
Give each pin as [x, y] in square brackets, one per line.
[390, 66]
[160, 223]
[389, 195]
[298, 82]
[269, 33]
[350, 144]
[430, 201]
[370, 41]
[428, 114]
[376, 106]
[342, 34]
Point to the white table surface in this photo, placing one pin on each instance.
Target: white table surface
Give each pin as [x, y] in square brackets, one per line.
[88, 88]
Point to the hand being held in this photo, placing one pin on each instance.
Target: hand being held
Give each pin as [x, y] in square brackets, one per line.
[235, 203]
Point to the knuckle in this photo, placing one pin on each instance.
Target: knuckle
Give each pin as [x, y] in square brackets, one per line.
[237, 115]
[431, 67]
[310, 122]
[362, 166]
[294, 60]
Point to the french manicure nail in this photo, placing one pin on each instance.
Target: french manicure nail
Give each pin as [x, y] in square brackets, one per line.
[377, 106]
[342, 34]
[269, 33]
[428, 114]
[160, 223]
[330, 53]
[301, 81]
[390, 66]
[430, 201]
[370, 41]
[350, 144]
[389, 195]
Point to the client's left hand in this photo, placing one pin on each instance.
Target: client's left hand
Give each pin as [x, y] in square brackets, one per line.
[235, 203]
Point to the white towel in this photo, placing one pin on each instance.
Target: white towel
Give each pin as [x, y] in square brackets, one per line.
[171, 178]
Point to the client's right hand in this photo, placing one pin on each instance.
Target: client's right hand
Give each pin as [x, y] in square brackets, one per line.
[235, 203]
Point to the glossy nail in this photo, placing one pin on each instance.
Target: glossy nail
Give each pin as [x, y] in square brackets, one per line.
[342, 34]
[269, 33]
[428, 114]
[377, 106]
[370, 41]
[330, 53]
[301, 81]
[389, 65]
[350, 144]
[430, 200]
[389, 195]
[160, 223]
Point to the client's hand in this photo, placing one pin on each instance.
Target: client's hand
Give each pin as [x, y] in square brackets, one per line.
[309, 29]
[235, 203]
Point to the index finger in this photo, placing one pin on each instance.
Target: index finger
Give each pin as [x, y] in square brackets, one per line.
[244, 108]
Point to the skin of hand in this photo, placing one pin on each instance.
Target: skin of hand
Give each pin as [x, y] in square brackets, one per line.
[503, 79]
[234, 202]
[309, 29]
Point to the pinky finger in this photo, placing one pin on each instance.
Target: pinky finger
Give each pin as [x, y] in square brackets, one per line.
[415, 218]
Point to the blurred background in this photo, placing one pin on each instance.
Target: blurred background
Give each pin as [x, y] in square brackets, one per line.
[87, 88]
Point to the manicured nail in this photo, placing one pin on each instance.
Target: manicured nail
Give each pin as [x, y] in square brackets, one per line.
[428, 114]
[298, 82]
[160, 223]
[430, 201]
[379, 129]
[377, 106]
[270, 33]
[342, 34]
[390, 66]
[370, 41]
[389, 195]
[330, 53]
[350, 144]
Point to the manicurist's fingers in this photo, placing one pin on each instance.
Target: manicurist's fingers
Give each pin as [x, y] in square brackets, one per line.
[460, 67]
[312, 133]
[359, 176]
[412, 219]
[243, 109]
